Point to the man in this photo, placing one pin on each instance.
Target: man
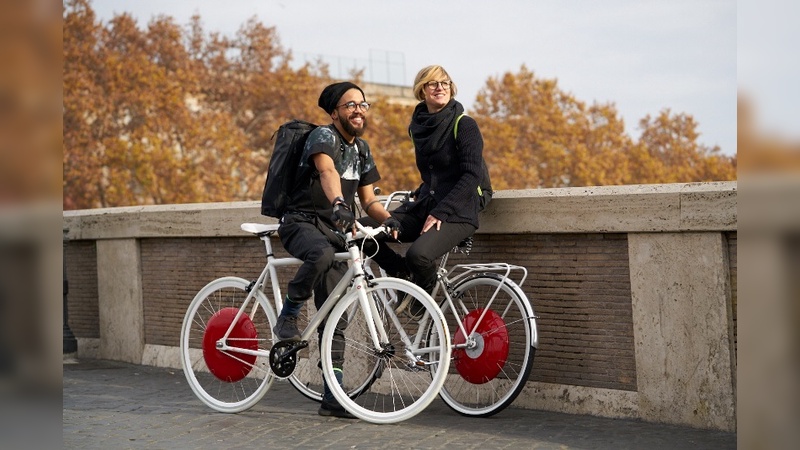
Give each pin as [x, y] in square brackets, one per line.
[336, 163]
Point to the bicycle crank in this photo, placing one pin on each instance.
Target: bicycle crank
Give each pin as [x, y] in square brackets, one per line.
[283, 357]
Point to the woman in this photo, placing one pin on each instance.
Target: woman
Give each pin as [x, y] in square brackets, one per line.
[447, 203]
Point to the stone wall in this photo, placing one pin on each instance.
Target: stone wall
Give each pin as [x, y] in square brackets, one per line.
[634, 287]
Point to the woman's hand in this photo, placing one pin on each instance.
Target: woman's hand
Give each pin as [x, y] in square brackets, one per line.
[430, 222]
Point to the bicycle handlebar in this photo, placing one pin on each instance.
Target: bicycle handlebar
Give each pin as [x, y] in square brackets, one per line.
[400, 196]
[364, 231]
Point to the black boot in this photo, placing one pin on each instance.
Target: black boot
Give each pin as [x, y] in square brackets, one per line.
[329, 406]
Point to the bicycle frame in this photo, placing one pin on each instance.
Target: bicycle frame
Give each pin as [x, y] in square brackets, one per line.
[354, 280]
[231, 354]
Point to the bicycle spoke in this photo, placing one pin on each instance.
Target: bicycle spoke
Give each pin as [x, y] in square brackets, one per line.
[408, 375]
[485, 380]
[233, 379]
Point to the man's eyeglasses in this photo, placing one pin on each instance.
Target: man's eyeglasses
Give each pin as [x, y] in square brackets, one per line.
[351, 106]
[432, 85]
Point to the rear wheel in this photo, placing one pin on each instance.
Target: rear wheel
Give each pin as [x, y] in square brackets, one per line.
[230, 380]
[492, 347]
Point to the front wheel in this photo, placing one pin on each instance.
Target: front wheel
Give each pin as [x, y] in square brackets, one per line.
[412, 363]
[235, 379]
[492, 345]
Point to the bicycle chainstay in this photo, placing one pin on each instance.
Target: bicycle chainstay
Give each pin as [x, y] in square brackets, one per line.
[283, 357]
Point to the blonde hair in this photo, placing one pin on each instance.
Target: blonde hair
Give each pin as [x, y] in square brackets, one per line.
[431, 73]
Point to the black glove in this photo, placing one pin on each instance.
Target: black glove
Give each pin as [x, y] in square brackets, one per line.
[342, 217]
[391, 225]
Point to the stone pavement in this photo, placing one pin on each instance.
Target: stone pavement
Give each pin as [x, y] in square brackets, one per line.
[113, 405]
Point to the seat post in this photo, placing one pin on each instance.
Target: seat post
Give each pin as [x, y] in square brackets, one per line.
[267, 238]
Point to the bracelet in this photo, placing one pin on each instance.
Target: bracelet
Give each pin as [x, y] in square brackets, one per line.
[337, 200]
[366, 209]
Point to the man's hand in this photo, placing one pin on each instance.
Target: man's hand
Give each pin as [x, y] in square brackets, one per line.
[342, 216]
[392, 226]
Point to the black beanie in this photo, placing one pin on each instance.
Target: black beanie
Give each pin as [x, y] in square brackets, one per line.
[331, 94]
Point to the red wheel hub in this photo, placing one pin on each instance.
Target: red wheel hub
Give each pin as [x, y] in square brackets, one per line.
[484, 358]
[230, 365]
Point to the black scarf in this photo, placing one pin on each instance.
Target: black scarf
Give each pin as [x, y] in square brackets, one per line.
[430, 131]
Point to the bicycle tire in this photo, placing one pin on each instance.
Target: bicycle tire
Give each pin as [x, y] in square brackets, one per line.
[227, 381]
[488, 377]
[403, 386]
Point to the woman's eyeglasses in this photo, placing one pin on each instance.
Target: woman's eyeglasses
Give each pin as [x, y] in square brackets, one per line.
[432, 85]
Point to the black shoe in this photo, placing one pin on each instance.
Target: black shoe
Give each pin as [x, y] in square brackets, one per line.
[335, 410]
[410, 307]
[286, 328]
[416, 309]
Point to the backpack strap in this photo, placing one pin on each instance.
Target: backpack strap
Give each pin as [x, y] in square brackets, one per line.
[362, 153]
[455, 128]
[359, 143]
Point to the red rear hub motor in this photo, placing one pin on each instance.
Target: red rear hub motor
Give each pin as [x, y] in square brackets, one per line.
[485, 357]
[230, 366]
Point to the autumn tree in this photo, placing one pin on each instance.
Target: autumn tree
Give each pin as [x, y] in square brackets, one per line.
[536, 135]
[167, 114]
[134, 133]
[164, 115]
[392, 147]
[673, 154]
[81, 156]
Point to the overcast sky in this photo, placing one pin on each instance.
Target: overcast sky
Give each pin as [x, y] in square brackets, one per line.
[641, 55]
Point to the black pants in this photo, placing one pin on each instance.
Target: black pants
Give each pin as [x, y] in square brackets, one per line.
[320, 272]
[422, 256]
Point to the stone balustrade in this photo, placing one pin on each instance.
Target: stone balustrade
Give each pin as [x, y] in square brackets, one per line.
[634, 286]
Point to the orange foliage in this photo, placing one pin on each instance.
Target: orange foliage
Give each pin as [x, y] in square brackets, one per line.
[166, 115]
[539, 136]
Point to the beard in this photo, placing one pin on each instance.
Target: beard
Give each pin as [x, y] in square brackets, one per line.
[350, 129]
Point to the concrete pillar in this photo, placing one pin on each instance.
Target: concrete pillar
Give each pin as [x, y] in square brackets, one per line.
[683, 328]
[121, 308]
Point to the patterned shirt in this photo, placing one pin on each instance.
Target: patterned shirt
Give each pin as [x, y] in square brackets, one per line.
[354, 163]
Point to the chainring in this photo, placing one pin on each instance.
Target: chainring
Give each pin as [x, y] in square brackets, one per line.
[283, 357]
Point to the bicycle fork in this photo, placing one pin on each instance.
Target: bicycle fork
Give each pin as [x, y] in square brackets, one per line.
[377, 329]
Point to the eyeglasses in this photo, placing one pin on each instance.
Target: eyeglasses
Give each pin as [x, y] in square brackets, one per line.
[351, 106]
[432, 85]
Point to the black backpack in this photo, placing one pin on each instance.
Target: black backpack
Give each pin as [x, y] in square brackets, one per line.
[284, 165]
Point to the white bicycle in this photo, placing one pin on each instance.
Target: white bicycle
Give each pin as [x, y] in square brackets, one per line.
[393, 367]
[494, 325]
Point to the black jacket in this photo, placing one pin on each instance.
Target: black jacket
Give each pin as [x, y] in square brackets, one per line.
[451, 174]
